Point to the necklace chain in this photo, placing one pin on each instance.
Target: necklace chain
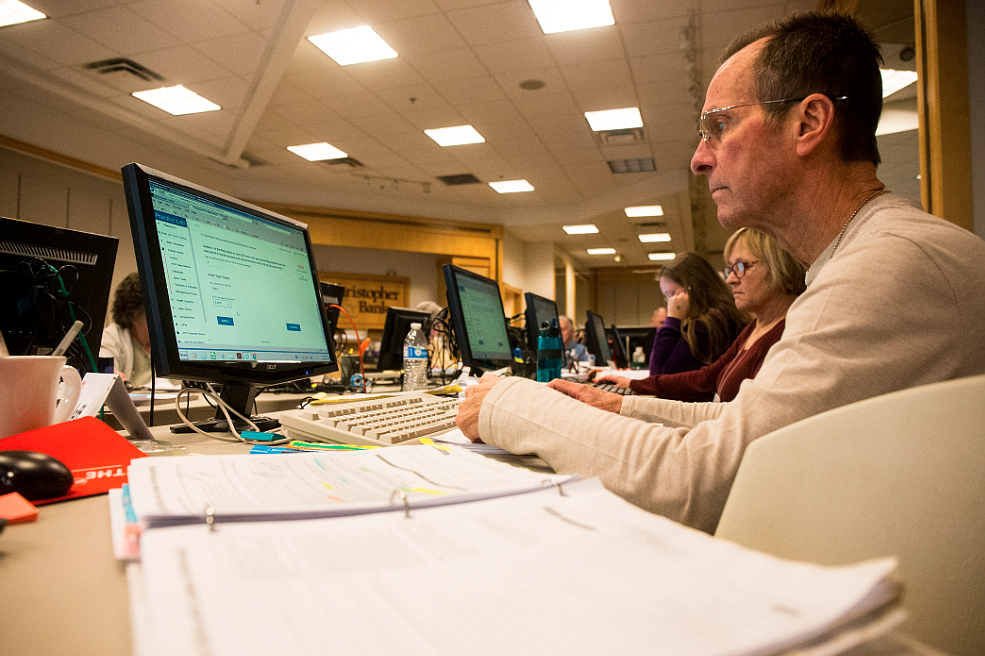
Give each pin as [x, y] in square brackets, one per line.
[857, 210]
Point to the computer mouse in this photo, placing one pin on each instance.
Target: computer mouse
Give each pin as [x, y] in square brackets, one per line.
[36, 476]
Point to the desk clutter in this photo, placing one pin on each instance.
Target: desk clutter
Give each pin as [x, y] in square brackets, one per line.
[435, 550]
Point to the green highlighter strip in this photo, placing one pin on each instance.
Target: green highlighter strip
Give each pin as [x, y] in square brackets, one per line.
[298, 446]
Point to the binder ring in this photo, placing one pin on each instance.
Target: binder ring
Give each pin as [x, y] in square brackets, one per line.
[403, 497]
[557, 484]
[210, 518]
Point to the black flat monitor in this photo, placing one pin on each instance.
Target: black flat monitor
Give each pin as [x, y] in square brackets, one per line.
[538, 310]
[617, 346]
[332, 296]
[595, 339]
[395, 329]
[231, 290]
[49, 278]
[478, 319]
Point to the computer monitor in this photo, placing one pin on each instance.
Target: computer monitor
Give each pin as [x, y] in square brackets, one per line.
[595, 339]
[395, 329]
[538, 310]
[332, 295]
[617, 347]
[231, 290]
[478, 319]
[49, 278]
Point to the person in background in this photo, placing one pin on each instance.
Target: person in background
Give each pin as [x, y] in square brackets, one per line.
[574, 350]
[127, 339]
[894, 295]
[702, 319]
[765, 281]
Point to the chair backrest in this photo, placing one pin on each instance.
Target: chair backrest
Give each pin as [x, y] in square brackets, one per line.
[901, 474]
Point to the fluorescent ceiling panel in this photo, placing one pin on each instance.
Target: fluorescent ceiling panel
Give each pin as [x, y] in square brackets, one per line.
[615, 119]
[893, 81]
[645, 210]
[655, 237]
[455, 136]
[13, 12]
[894, 120]
[177, 100]
[661, 256]
[511, 186]
[315, 152]
[600, 251]
[567, 15]
[581, 229]
[360, 44]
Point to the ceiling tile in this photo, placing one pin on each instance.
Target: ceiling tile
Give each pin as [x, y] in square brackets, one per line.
[384, 74]
[447, 65]
[189, 20]
[239, 53]
[181, 65]
[494, 23]
[137, 34]
[255, 15]
[423, 34]
[579, 46]
[612, 73]
[381, 11]
[470, 91]
[555, 104]
[519, 55]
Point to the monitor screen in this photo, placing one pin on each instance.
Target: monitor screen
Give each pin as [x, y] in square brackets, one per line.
[478, 319]
[595, 339]
[49, 278]
[231, 290]
[538, 310]
[395, 329]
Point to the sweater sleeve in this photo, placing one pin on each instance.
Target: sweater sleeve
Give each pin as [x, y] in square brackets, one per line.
[671, 353]
[695, 386]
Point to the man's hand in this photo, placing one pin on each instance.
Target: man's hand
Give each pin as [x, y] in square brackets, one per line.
[468, 409]
[586, 394]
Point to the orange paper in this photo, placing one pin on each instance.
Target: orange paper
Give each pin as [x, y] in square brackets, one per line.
[16, 509]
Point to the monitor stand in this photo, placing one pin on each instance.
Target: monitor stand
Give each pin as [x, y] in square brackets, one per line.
[241, 397]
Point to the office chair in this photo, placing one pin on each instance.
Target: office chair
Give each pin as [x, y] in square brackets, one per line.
[901, 474]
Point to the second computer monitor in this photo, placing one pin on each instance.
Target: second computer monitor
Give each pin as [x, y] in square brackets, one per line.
[395, 329]
[538, 310]
[595, 339]
[478, 319]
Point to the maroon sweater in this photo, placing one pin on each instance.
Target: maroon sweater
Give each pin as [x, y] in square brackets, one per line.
[724, 375]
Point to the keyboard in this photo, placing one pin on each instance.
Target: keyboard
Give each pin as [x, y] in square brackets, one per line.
[606, 386]
[374, 422]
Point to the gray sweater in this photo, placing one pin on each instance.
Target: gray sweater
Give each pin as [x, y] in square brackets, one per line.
[900, 303]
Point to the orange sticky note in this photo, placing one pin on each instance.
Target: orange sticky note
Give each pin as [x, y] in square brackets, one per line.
[16, 509]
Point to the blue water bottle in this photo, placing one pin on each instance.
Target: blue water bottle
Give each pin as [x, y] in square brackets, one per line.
[550, 351]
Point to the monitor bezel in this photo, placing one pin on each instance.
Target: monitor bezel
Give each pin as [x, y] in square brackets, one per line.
[164, 347]
[477, 366]
[595, 337]
[531, 320]
[391, 341]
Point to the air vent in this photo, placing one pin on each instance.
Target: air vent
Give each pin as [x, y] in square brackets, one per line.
[652, 224]
[124, 65]
[624, 137]
[459, 179]
[351, 162]
[644, 165]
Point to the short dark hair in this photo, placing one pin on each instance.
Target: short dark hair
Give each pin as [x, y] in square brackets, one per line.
[822, 52]
[128, 302]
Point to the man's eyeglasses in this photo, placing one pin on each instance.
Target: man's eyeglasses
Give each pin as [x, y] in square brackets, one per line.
[739, 268]
[710, 125]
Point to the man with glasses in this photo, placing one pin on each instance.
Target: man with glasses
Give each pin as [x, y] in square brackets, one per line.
[895, 297]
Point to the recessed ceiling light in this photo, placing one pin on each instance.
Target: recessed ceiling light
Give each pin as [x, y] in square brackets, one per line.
[661, 256]
[645, 210]
[177, 100]
[582, 229]
[893, 81]
[566, 15]
[511, 186]
[315, 152]
[600, 251]
[455, 136]
[615, 119]
[13, 12]
[655, 237]
[360, 44]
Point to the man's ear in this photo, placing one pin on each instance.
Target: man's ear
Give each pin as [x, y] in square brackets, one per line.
[813, 121]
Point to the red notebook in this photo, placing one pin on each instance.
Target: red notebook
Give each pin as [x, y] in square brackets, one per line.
[97, 455]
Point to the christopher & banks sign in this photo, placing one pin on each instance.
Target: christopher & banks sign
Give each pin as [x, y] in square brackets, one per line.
[367, 297]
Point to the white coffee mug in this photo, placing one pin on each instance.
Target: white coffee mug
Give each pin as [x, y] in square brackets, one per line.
[36, 391]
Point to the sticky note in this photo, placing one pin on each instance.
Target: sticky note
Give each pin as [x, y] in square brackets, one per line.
[16, 509]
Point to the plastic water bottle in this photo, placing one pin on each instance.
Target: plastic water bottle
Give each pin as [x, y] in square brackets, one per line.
[639, 358]
[549, 352]
[415, 360]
